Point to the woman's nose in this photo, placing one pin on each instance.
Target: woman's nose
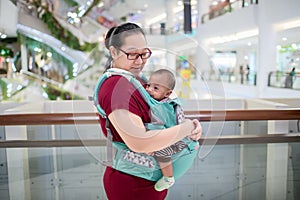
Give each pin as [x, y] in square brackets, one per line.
[139, 60]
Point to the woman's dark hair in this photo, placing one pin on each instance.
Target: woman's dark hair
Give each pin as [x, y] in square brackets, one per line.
[116, 35]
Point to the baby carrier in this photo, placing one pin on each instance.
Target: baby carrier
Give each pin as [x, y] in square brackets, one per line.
[121, 158]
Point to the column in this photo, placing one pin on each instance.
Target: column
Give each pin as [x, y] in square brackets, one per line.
[203, 64]
[170, 15]
[266, 47]
[203, 8]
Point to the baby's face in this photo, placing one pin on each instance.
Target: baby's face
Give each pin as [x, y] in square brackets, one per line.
[157, 87]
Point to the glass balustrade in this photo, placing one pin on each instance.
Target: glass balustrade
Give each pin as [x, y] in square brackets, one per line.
[221, 171]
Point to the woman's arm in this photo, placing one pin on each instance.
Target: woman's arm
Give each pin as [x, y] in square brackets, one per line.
[132, 130]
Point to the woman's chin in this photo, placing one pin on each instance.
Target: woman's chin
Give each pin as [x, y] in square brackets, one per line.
[136, 71]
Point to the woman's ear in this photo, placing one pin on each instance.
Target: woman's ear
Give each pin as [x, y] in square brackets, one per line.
[113, 52]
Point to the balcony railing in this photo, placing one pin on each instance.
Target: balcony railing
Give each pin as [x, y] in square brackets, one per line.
[42, 156]
[280, 79]
[203, 116]
[225, 7]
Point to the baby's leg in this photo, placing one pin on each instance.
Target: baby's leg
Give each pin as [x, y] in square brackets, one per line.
[166, 168]
[164, 183]
[167, 180]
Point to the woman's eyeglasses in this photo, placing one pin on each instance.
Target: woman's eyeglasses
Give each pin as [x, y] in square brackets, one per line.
[134, 56]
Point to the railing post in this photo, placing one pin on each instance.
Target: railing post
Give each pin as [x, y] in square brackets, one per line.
[17, 165]
[277, 163]
[17, 158]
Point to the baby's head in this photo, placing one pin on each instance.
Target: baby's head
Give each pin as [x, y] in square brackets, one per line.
[161, 83]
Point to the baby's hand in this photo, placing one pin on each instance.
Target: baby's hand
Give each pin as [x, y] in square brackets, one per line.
[197, 132]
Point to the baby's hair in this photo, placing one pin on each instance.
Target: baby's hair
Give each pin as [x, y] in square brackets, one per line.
[170, 77]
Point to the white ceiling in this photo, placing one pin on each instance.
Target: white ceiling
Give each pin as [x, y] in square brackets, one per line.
[149, 9]
[144, 9]
[8, 18]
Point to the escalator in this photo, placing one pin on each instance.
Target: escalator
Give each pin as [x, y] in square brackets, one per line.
[71, 58]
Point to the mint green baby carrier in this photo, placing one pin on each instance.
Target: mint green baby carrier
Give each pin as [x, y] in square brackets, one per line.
[121, 158]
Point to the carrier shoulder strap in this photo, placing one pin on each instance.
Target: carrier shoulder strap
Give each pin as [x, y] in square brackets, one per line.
[130, 77]
[136, 84]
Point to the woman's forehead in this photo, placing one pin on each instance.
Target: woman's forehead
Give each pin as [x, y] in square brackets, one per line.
[135, 41]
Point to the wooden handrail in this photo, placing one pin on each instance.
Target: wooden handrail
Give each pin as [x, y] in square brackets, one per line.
[245, 115]
[92, 118]
[218, 140]
[204, 116]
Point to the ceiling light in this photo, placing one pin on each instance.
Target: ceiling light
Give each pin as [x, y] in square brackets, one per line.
[156, 19]
[163, 16]
[101, 4]
[233, 37]
[214, 3]
[289, 25]
[294, 46]
[49, 54]
[3, 36]
[193, 2]
[37, 49]
[247, 34]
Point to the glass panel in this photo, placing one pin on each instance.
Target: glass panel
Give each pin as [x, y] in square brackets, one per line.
[226, 172]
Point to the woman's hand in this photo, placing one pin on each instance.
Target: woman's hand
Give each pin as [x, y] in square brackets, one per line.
[197, 132]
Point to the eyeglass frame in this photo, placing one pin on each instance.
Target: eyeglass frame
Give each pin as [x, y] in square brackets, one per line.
[139, 54]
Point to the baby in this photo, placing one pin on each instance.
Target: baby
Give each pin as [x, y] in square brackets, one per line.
[160, 86]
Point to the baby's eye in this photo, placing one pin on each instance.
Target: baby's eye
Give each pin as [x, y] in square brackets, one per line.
[156, 88]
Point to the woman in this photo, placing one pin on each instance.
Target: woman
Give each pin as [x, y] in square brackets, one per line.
[127, 112]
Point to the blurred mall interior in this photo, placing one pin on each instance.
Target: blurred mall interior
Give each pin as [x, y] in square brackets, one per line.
[226, 55]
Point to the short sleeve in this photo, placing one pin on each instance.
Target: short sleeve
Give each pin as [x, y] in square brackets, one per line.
[118, 93]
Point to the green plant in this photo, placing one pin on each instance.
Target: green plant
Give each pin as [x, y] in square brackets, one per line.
[61, 33]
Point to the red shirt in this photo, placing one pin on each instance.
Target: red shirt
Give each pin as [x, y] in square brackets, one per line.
[117, 93]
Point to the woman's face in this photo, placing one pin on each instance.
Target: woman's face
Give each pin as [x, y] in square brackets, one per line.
[135, 43]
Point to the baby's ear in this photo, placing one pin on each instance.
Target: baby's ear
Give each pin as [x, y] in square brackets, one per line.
[168, 93]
